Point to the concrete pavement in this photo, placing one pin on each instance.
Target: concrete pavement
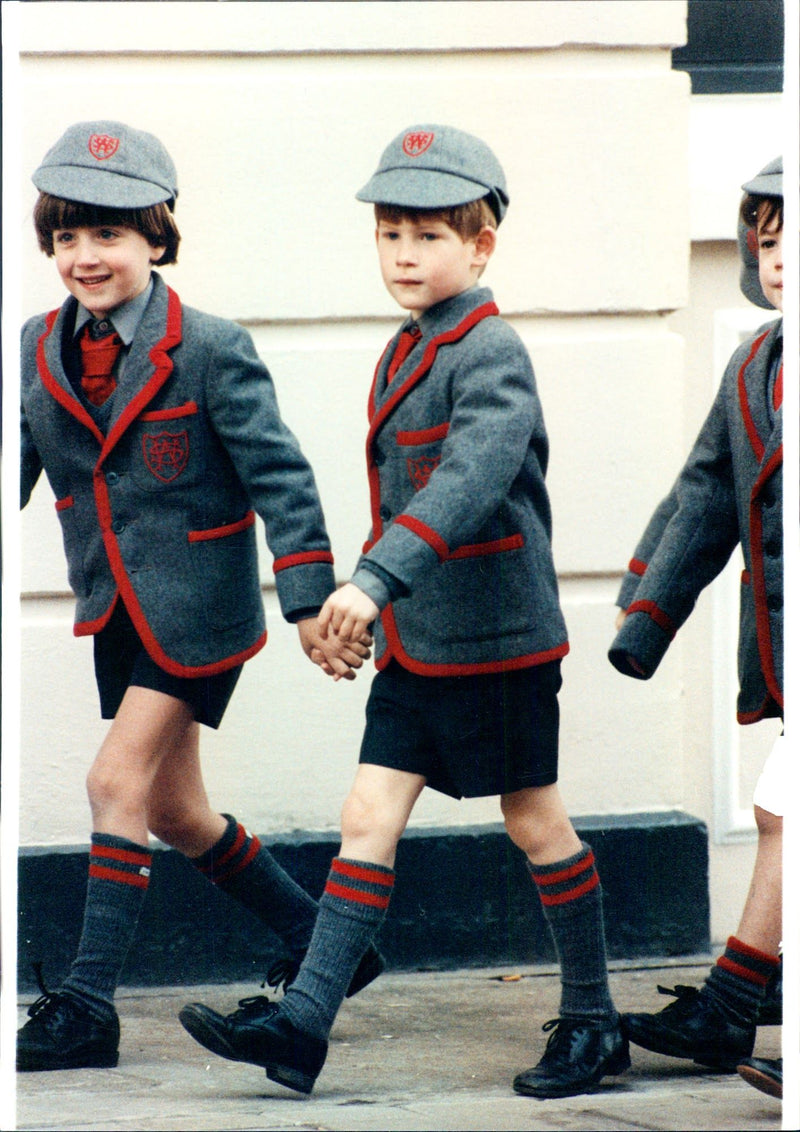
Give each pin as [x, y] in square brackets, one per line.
[415, 1050]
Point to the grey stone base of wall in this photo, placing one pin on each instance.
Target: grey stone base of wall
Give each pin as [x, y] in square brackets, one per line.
[463, 897]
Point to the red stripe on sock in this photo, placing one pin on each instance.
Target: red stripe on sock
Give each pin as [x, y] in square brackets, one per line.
[735, 944]
[746, 973]
[237, 866]
[128, 856]
[579, 867]
[357, 872]
[238, 842]
[570, 894]
[356, 896]
[103, 873]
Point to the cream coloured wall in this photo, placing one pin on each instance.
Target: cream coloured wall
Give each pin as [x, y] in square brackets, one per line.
[274, 119]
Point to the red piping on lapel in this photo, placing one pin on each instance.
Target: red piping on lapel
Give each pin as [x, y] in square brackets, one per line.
[56, 391]
[421, 668]
[163, 368]
[756, 442]
[428, 358]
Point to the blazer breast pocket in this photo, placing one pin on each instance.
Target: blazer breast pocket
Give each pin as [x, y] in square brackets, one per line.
[166, 448]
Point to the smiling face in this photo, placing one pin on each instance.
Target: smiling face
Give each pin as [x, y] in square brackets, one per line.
[424, 261]
[770, 260]
[103, 267]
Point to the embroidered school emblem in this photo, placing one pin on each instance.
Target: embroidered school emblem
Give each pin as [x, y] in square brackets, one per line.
[103, 146]
[415, 143]
[421, 468]
[166, 454]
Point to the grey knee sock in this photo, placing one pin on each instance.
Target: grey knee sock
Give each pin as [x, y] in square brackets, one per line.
[573, 907]
[119, 873]
[241, 866]
[351, 910]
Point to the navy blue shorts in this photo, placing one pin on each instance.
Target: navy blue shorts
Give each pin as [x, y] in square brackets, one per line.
[469, 736]
[121, 660]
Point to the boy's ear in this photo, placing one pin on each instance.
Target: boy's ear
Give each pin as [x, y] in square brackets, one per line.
[485, 243]
[156, 253]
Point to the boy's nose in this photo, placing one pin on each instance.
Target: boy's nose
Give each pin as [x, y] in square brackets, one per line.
[85, 250]
[406, 252]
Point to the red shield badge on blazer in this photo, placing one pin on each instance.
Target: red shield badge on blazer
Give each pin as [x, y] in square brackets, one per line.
[166, 454]
[421, 468]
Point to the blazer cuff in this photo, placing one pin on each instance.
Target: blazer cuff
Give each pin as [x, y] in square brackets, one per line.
[302, 587]
[645, 640]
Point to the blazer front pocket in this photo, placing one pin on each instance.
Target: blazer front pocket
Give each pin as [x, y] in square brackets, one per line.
[166, 447]
[225, 561]
[74, 544]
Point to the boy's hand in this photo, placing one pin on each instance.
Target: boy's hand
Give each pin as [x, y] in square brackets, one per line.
[620, 621]
[347, 613]
[336, 658]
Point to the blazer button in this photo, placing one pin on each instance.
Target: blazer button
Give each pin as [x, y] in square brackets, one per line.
[772, 549]
[118, 526]
[385, 512]
[774, 603]
[112, 477]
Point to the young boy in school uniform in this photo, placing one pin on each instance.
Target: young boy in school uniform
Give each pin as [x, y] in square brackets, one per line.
[729, 492]
[458, 578]
[158, 429]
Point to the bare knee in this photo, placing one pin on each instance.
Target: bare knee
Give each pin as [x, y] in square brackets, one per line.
[371, 829]
[538, 824]
[111, 792]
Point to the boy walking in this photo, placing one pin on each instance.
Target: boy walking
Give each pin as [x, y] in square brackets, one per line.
[458, 578]
[158, 429]
[730, 491]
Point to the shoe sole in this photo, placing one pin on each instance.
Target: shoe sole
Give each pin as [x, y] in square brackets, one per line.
[290, 1078]
[202, 1032]
[36, 1064]
[761, 1081]
[616, 1065]
[669, 1049]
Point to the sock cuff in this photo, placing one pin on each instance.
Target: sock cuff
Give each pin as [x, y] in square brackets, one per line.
[233, 852]
[747, 962]
[119, 860]
[567, 880]
[360, 883]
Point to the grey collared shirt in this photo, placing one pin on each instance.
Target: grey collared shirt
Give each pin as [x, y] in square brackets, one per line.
[125, 320]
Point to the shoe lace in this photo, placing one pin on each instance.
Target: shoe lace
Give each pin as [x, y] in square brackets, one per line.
[559, 1043]
[685, 1000]
[256, 1005]
[282, 973]
[48, 1000]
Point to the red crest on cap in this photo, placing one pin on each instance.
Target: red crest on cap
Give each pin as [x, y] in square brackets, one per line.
[103, 146]
[415, 143]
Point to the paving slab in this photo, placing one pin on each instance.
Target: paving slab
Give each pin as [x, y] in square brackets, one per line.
[415, 1050]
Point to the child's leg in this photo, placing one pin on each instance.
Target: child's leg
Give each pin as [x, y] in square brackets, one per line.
[564, 872]
[290, 1038]
[224, 852]
[146, 725]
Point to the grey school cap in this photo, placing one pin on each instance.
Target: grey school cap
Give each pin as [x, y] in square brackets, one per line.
[437, 167]
[767, 183]
[108, 164]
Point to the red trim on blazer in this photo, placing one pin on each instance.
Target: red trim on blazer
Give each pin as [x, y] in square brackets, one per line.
[763, 635]
[187, 410]
[64, 397]
[745, 717]
[756, 442]
[422, 668]
[426, 533]
[658, 615]
[745, 579]
[424, 435]
[89, 628]
[222, 532]
[301, 559]
[65, 503]
[636, 566]
[378, 417]
[497, 546]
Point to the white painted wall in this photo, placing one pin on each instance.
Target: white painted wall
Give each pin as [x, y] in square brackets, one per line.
[275, 114]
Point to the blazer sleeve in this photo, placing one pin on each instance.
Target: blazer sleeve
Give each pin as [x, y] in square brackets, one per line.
[30, 464]
[685, 546]
[275, 473]
[495, 411]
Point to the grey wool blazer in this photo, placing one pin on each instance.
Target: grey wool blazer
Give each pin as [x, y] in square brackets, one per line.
[459, 555]
[730, 491]
[159, 511]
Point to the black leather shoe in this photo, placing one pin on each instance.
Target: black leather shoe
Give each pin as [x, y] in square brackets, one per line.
[692, 1027]
[62, 1033]
[577, 1056]
[764, 1073]
[283, 972]
[258, 1033]
[770, 1012]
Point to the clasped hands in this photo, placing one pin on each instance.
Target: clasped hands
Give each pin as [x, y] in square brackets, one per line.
[339, 640]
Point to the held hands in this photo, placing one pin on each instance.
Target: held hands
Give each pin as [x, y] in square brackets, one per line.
[347, 613]
[336, 657]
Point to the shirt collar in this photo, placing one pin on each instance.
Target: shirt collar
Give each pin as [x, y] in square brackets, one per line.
[125, 319]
